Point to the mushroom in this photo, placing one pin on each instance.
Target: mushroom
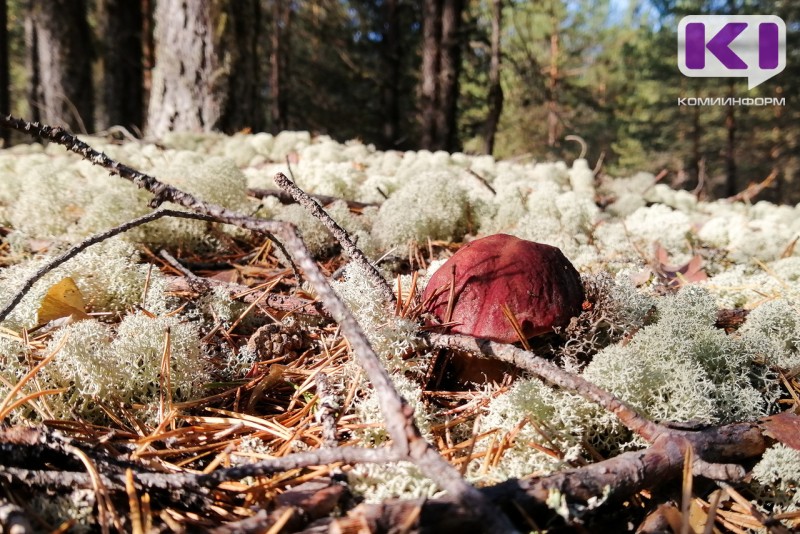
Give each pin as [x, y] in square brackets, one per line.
[536, 284]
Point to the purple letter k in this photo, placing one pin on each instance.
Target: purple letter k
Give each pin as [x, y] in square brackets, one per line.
[719, 45]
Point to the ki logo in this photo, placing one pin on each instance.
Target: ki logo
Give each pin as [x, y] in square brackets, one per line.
[732, 46]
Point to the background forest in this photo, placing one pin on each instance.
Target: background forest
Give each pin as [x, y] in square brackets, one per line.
[512, 78]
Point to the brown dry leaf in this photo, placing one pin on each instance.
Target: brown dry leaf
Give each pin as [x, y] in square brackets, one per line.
[230, 276]
[783, 427]
[665, 518]
[40, 245]
[677, 275]
[64, 299]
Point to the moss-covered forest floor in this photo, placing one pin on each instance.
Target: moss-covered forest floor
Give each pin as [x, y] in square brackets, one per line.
[233, 362]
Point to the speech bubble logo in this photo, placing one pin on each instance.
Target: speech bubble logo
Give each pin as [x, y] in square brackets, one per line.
[732, 46]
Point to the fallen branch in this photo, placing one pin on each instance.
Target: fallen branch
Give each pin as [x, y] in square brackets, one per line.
[285, 198]
[611, 481]
[555, 375]
[88, 242]
[407, 440]
[341, 235]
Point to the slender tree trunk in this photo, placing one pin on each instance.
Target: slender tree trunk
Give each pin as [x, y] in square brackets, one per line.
[695, 174]
[441, 66]
[450, 68]
[148, 48]
[431, 48]
[278, 59]
[495, 89]
[730, 148]
[552, 85]
[204, 78]
[33, 90]
[5, 101]
[60, 54]
[121, 29]
[391, 83]
[239, 45]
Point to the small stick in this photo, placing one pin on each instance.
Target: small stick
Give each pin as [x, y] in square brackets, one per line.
[175, 264]
[326, 413]
[555, 375]
[483, 181]
[88, 242]
[339, 233]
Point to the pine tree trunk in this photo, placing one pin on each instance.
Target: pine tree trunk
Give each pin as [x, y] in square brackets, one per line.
[121, 31]
[450, 67]
[59, 57]
[5, 101]
[730, 148]
[495, 89]
[391, 82]
[205, 76]
[431, 50]
[552, 85]
[278, 60]
[239, 44]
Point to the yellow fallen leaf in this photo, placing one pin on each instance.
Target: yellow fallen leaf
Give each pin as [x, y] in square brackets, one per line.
[62, 300]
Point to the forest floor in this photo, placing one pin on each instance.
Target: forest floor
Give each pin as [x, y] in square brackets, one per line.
[328, 403]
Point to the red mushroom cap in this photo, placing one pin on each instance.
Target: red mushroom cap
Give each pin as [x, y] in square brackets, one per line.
[536, 282]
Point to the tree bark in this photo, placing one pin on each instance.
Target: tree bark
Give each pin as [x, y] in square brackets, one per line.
[148, 48]
[60, 67]
[552, 85]
[495, 89]
[206, 76]
[239, 45]
[121, 23]
[431, 48]
[391, 82]
[279, 64]
[5, 101]
[730, 148]
[441, 66]
[450, 65]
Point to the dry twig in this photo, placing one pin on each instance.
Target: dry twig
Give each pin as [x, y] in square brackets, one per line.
[339, 233]
[93, 240]
[408, 443]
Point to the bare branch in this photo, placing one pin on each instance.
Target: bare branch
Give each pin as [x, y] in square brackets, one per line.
[86, 243]
[397, 413]
[285, 198]
[555, 375]
[341, 235]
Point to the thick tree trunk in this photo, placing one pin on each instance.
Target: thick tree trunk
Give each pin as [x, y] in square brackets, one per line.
[431, 48]
[60, 56]
[148, 48]
[121, 30]
[239, 46]
[495, 89]
[205, 76]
